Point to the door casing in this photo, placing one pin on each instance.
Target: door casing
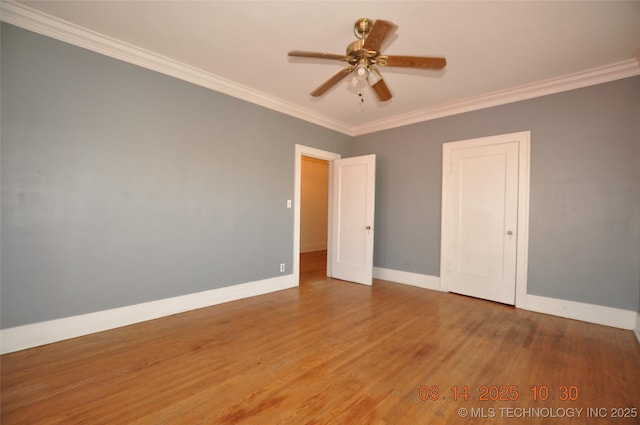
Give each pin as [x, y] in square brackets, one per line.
[301, 150]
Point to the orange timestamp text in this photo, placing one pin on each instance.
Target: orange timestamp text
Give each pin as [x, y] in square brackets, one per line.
[501, 393]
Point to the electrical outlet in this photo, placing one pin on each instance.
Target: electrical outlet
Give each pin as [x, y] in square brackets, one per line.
[281, 267]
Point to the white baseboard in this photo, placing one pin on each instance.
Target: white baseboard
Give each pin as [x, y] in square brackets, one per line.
[407, 278]
[609, 316]
[601, 315]
[33, 335]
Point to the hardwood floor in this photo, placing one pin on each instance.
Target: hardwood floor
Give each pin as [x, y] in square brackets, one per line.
[332, 352]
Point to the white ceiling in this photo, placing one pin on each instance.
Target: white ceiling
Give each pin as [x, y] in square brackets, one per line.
[496, 51]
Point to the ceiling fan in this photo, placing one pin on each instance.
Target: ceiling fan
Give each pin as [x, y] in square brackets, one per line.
[364, 58]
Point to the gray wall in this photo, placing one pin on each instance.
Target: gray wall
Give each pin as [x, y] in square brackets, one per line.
[121, 185]
[584, 196]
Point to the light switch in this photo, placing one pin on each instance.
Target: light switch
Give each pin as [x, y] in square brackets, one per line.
[288, 203]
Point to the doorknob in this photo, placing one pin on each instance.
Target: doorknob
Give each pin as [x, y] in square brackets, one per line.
[368, 227]
[509, 232]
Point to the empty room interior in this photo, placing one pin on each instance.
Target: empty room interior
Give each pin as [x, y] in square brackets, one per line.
[211, 214]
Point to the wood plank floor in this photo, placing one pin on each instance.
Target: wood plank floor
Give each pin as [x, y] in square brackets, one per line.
[331, 352]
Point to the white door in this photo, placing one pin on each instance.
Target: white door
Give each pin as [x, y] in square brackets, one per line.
[481, 208]
[352, 212]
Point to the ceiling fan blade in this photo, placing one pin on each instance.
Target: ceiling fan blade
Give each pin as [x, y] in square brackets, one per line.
[332, 81]
[415, 62]
[305, 54]
[380, 31]
[381, 90]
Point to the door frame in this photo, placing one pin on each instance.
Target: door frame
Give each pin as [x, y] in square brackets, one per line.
[522, 255]
[300, 151]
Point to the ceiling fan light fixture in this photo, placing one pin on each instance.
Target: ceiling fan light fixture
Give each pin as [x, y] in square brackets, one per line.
[362, 72]
[354, 83]
[374, 76]
[360, 76]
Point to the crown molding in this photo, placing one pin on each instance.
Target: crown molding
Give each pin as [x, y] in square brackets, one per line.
[50, 26]
[603, 74]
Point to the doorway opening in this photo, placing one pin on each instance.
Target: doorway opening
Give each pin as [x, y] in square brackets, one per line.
[314, 218]
[310, 153]
[351, 206]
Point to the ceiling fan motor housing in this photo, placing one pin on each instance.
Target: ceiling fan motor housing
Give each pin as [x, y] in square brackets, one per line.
[355, 51]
